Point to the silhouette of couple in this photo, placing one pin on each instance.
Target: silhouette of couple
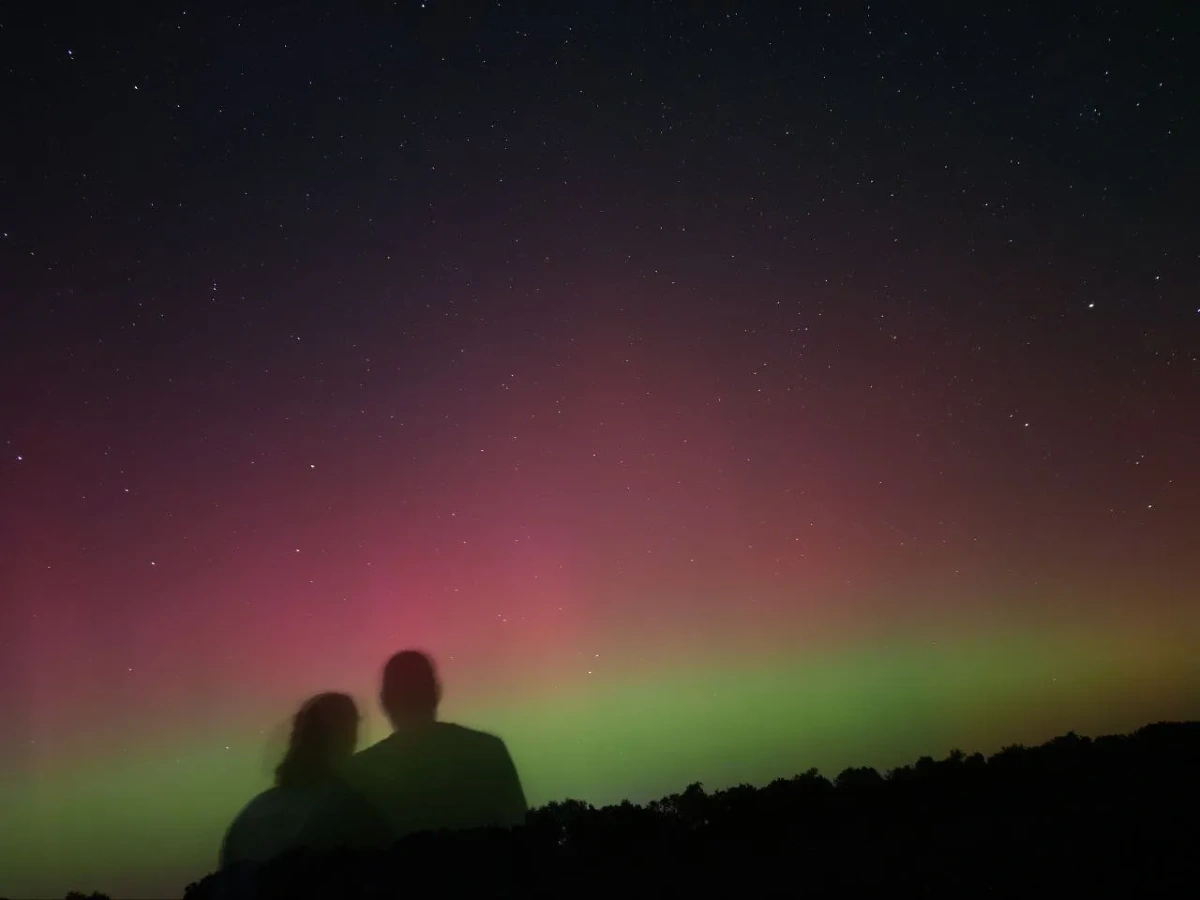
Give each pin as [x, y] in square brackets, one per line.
[426, 776]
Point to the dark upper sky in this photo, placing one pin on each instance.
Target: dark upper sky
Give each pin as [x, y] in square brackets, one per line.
[150, 154]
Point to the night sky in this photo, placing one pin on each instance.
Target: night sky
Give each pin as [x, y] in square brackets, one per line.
[714, 394]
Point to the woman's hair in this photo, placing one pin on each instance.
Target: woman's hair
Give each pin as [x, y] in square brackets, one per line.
[324, 732]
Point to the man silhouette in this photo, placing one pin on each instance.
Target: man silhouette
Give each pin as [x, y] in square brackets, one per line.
[430, 775]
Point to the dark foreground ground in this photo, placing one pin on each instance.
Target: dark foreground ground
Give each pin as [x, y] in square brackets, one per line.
[1116, 816]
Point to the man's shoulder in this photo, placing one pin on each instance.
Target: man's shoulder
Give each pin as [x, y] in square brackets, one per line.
[463, 733]
[482, 742]
[368, 761]
[445, 734]
[379, 748]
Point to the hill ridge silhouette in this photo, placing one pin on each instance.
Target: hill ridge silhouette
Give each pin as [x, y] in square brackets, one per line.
[1105, 814]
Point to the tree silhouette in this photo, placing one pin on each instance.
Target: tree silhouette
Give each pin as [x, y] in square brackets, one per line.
[1113, 815]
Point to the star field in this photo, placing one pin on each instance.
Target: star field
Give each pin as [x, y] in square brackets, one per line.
[713, 393]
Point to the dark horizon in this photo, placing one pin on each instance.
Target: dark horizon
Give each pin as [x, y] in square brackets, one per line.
[1109, 810]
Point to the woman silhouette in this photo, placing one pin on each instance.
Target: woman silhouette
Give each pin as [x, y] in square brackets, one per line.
[309, 806]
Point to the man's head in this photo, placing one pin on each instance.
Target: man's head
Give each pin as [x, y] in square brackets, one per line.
[411, 690]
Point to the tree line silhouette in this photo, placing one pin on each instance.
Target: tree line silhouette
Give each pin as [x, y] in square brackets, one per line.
[1106, 816]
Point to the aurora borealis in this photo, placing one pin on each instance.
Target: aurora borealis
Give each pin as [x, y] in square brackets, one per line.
[714, 396]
